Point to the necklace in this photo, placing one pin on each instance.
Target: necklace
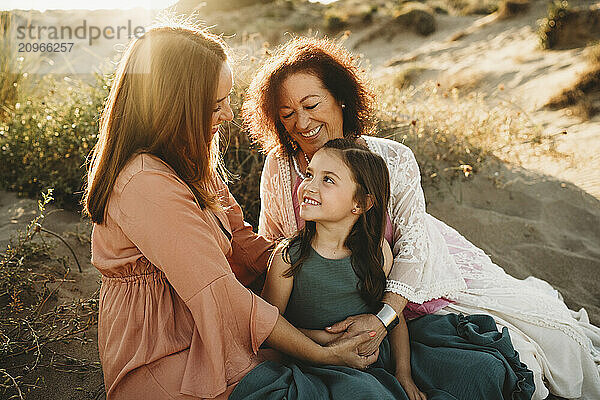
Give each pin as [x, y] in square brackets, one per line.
[297, 168]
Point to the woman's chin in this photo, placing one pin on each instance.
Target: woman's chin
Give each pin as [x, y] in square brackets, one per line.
[307, 216]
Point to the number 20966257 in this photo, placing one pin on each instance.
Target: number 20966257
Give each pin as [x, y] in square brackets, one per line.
[45, 47]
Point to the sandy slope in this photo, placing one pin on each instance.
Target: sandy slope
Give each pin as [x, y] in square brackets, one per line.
[503, 52]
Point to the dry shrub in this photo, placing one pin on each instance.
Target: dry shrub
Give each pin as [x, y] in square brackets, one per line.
[188, 6]
[583, 98]
[416, 16]
[10, 68]
[32, 317]
[566, 27]
[511, 8]
[452, 133]
[334, 21]
[406, 76]
[473, 7]
[463, 79]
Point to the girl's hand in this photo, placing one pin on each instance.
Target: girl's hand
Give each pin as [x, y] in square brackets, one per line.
[412, 391]
[345, 351]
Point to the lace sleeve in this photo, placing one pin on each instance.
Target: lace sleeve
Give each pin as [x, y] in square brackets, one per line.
[423, 269]
[270, 223]
[407, 211]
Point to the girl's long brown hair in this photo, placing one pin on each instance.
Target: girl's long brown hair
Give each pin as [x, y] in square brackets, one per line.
[371, 176]
[161, 102]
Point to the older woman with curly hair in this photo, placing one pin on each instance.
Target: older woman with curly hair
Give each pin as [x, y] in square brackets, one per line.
[311, 91]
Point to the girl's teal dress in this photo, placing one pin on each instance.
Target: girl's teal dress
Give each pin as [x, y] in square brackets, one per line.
[453, 357]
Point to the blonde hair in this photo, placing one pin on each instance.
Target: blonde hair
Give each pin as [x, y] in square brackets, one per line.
[161, 102]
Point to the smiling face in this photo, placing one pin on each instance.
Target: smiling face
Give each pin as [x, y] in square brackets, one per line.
[309, 112]
[222, 111]
[327, 193]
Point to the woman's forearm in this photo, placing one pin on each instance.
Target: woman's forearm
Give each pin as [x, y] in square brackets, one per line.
[400, 344]
[289, 340]
[320, 336]
[343, 351]
[395, 300]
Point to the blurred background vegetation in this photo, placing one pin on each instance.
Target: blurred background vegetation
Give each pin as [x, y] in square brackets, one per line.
[48, 124]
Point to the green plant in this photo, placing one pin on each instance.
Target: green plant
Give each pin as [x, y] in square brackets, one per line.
[47, 137]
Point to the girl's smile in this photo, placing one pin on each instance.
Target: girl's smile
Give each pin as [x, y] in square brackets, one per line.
[327, 193]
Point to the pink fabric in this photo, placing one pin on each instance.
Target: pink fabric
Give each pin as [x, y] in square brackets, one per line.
[411, 310]
[174, 314]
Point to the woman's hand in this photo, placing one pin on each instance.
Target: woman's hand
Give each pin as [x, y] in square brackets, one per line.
[345, 350]
[412, 391]
[359, 323]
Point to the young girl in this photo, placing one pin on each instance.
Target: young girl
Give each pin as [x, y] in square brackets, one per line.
[336, 267]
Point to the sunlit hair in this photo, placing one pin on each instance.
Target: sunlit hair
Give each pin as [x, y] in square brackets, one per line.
[337, 70]
[370, 174]
[161, 102]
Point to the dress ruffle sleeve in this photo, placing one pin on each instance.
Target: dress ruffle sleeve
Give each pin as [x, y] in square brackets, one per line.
[158, 213]
[423, 269]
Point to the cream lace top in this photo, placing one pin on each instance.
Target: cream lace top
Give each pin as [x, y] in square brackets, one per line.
[423, 268]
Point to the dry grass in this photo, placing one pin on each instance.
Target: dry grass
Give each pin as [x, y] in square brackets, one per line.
[407, 76]
[10, 67]
[32, 319]
[583, 98]
[452, 133]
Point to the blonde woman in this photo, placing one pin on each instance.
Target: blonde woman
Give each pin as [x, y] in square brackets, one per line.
[175, 319]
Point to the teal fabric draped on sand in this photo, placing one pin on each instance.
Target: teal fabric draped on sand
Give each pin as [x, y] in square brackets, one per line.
[453, 357]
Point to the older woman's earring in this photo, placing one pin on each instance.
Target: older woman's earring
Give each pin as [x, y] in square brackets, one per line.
[343, 105]
[354, 211]
[294, 145]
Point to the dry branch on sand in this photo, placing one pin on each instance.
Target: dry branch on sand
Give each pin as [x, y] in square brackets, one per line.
[32, 318]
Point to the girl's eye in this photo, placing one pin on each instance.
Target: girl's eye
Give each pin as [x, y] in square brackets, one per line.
[328, 179]
[311, 107]
[307, 175]
[287, 115]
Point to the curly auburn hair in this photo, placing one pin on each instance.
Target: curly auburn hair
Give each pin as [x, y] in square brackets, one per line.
[328, 61]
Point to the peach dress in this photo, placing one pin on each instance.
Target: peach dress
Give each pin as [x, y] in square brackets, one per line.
[175, 319]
